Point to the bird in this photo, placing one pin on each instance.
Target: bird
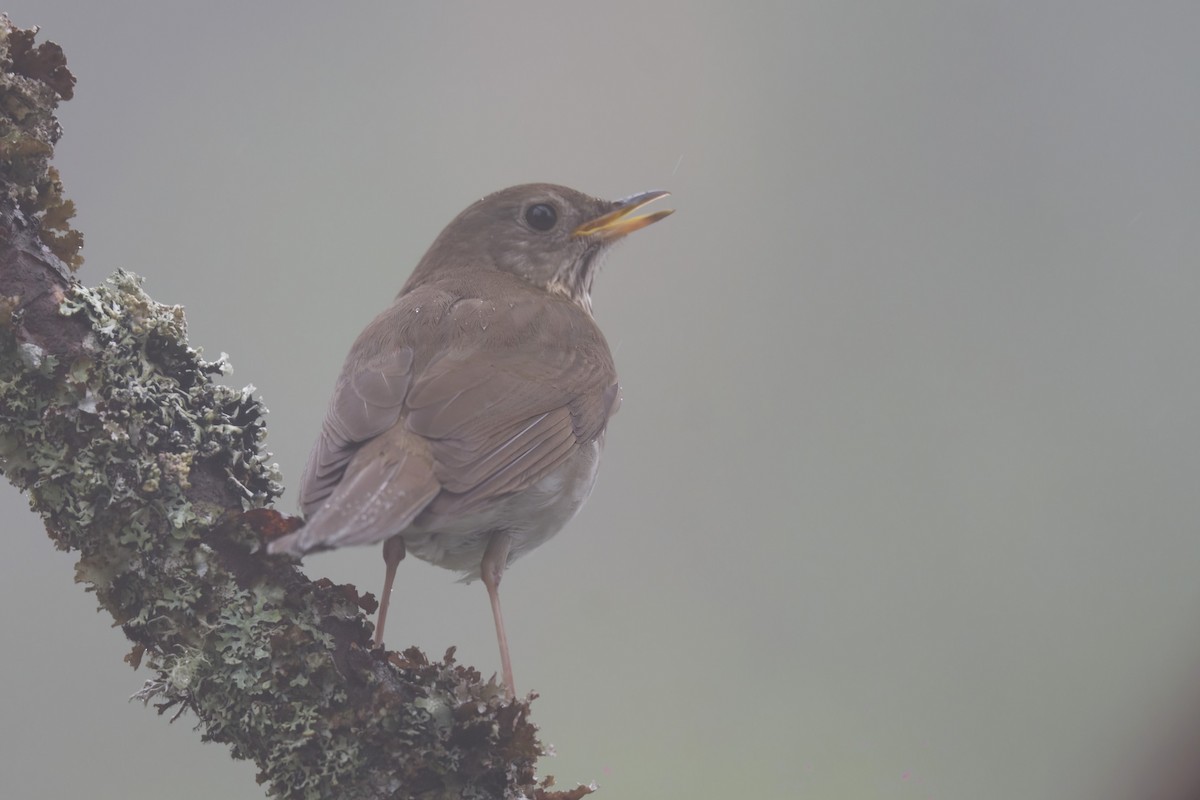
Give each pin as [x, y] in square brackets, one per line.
[467, 421]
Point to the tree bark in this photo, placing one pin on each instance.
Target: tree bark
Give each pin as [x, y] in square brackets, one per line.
[154, 474]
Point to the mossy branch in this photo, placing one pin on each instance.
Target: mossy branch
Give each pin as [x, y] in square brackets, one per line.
[136, 460]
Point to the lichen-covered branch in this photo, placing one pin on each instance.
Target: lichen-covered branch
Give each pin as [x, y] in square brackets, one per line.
[136, 460]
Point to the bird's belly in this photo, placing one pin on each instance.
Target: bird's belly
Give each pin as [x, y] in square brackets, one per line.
[530, 517]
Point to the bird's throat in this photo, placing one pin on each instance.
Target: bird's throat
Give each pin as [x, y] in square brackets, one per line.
[574, 280]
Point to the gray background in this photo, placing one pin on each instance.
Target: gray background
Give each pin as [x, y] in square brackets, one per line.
[902, 500]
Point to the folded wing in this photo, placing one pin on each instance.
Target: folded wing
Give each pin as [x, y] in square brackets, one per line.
[437, 413]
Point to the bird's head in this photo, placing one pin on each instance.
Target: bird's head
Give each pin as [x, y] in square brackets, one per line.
[547, 235]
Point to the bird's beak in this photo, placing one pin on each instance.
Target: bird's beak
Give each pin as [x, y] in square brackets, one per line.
[620, 221]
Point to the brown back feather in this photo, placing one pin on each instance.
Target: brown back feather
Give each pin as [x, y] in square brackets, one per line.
[445, 395]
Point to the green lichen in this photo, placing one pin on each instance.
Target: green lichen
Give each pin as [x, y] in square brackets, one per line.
[143, 464]
[33, 78]
[136, 460]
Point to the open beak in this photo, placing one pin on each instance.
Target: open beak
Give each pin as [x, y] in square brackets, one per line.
[620, 221]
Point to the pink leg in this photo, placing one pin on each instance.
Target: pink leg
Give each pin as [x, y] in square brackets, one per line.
[495, 559]
[393, 554]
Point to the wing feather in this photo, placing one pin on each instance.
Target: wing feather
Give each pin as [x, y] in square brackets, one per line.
[367, 400]
[429, 413]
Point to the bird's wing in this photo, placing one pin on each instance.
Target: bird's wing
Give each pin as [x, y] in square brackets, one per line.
[498, 422]
[473, 418]
[366, 476]
[385, 484]
[367, 401]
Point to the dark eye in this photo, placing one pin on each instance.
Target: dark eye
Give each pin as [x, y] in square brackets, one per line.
[541, 217]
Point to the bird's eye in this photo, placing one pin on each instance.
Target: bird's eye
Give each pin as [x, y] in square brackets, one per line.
[541, 217]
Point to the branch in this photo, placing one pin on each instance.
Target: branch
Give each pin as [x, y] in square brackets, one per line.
[154, 474]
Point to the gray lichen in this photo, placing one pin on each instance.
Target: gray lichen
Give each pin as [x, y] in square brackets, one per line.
[32, 80]
[141, 463]
[155, 475]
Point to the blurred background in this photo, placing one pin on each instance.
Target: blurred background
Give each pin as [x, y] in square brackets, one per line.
[902, 501]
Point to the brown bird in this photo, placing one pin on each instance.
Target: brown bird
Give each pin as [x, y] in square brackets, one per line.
[467, 422]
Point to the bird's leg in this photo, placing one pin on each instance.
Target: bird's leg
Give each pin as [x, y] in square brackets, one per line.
[393, 554]
[495, 559]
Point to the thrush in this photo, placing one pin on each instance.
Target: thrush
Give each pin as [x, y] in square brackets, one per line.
[467, 422]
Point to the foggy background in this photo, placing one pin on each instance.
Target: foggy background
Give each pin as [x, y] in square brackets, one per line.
[902, 499]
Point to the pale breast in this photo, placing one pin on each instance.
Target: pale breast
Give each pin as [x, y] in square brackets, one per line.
[531, 517]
